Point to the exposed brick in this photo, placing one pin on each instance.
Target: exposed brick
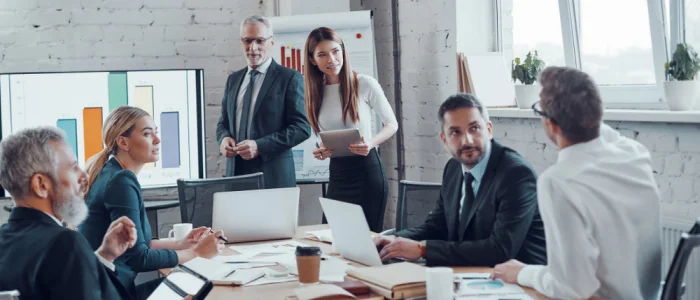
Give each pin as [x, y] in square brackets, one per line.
[88, 33]
[674, 164]
[226, 48]
[160, 49]
[7, 37]
[91, 3]
[190, 49]
[682, 189]
[20, 53]
[122, 4]
[19, 5]
[164, 3]
[131, 17]
[688, 138]
[114, 49]
[172, 17]
[210, 16]
[154, 33]
[48, 18]
[692, 166]
[165, 63]
[90, 17]
[117, 33]
[12, 19]
[62, 4]
[80, 50]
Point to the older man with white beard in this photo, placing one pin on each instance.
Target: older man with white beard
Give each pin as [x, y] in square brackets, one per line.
[40, 258]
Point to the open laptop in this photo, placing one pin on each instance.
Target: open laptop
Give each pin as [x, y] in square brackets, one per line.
[256, 215]
[351, 235]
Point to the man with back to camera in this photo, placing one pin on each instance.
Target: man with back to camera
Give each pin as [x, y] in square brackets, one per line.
[40, 258]
[600, 202]
[487, 210]
[262, 112]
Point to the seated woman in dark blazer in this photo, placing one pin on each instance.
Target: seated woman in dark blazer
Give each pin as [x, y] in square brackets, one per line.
[114, 191]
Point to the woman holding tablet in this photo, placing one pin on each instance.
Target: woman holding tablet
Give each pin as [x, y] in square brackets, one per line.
[338, 98]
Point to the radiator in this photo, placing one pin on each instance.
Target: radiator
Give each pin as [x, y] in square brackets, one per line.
[671, 234]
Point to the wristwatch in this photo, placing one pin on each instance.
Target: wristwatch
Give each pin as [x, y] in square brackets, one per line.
[422, 246]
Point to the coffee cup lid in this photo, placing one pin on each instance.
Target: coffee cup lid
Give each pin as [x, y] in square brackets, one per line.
[308, 251]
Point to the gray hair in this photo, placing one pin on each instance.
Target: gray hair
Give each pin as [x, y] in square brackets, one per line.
[254, 19]
[26, 153]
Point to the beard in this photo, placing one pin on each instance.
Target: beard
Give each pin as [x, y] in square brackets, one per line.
[69, 207]
[469, 160]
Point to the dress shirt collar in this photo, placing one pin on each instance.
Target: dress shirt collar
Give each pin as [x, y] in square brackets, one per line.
[261, 68]
[55, 219]
[480, 168]
[574, 151]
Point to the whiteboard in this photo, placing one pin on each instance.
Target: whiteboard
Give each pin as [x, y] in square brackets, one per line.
[491, 77]
[356, 30]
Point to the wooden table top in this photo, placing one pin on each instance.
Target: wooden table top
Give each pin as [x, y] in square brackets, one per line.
[283, 290]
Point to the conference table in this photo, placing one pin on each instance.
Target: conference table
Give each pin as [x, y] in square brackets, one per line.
[286, 289]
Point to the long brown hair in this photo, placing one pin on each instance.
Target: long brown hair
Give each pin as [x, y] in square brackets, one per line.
[314, 80]
[120, 122]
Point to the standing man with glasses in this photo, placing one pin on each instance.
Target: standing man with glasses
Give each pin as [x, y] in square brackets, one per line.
[262, 112]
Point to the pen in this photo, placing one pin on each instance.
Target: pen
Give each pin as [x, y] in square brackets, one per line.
[221, 237]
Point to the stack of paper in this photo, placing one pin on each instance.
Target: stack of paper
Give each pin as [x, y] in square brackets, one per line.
[324, 235]
[395, 281]
[479, 286]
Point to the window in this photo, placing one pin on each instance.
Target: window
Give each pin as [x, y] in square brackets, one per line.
[692, 23]
[537, 27]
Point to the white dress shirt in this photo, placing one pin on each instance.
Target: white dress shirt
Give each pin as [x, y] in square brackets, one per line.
[105, 262]
[478, 173]
[371, 97]
[259, 78]
[601, 210]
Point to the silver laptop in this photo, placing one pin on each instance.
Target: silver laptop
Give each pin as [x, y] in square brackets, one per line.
[256, 215]
[351, 235]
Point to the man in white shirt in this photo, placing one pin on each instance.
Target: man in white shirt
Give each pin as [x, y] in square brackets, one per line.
[40, 257]
[600, 203]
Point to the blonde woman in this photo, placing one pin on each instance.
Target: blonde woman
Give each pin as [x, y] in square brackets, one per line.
[113, 191]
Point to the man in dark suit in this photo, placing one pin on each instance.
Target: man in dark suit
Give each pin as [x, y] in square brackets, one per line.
[262, 112]
[487, 211]
[40, 257]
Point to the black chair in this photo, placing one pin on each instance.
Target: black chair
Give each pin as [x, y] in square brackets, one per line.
[673, 287]
[416, 200]
[197, 195]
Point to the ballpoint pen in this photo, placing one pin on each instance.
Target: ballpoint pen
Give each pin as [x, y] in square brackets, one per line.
[221, 237]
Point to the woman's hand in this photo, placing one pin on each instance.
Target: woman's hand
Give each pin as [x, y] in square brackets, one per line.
[322, 153]
[361, 148]
[192, 238]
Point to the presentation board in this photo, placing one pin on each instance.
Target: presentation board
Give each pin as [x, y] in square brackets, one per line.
[78, 103]
[290, 33]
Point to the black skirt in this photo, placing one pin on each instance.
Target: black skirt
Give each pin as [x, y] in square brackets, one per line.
[360, 180]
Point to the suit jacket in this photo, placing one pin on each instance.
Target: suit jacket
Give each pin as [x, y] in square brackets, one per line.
[43, 260]
[279, 123]
[116, 193]
[503, 222]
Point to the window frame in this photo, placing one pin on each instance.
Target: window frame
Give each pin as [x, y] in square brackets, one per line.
[642, 96]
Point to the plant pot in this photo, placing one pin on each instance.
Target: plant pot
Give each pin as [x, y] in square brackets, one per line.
[681, 95]
[527, 94]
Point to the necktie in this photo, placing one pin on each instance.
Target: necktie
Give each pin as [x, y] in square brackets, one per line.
[469, 194]
[247, 99]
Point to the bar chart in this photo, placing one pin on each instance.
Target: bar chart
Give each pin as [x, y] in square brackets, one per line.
[291, 58]
[78, 104]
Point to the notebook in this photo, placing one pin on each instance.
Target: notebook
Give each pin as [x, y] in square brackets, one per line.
[394, 281]
[224, 274]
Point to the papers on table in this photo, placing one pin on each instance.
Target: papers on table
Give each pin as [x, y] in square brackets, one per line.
[332, 268]
[479, 286]
[285, 247]
[324, 235]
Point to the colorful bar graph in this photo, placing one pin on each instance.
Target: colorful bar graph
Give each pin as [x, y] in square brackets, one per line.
[92, 131]
[117, 89]
[170, 139]
[70, 127]
[143, 99]
[293, 60]
[283, 54]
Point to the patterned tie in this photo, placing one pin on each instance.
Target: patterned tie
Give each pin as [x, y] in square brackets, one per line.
[247, 99]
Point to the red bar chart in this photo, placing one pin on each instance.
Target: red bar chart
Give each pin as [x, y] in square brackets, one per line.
[291, 58]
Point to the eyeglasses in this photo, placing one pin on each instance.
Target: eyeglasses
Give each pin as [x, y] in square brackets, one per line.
[259, 40]
[537, 109]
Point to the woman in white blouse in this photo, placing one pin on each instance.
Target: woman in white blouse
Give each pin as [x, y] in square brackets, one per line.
[338, 98]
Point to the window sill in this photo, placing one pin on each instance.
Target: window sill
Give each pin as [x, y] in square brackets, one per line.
[630, 115]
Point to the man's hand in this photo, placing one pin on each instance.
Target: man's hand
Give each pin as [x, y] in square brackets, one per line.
[381, 240]
[209, 245]
[401, 247]
[226, 147]
[361, 148]
[192, 238]
[247, 149]
[508, 271]
[121, 235]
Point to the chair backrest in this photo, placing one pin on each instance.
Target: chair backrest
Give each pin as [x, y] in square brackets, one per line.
[416, 200]
[197, 195]
[673, 285]
[696, 227]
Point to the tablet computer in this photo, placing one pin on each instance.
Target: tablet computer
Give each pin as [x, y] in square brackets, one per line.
[340, 140]
[180, 283]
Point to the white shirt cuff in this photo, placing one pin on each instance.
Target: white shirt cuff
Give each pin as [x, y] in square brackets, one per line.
[527, 274]
[105, 262]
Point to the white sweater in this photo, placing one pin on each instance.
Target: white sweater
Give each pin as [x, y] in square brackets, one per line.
[371, 98]
[601, 210]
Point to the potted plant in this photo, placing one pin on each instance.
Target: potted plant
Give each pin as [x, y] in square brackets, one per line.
[681, 89]
[528, 92]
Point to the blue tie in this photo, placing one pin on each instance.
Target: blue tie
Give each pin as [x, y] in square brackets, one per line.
[247, 99]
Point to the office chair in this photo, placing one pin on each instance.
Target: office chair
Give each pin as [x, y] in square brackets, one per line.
[9, 295]
[197, 195]
[416, 200]
[673, 287]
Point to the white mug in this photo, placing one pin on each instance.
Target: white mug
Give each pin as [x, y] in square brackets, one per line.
[180, 231]
[439, 283]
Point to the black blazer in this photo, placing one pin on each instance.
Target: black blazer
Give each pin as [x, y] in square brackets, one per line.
[504, 222]
[279, 123]
[43, 260]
